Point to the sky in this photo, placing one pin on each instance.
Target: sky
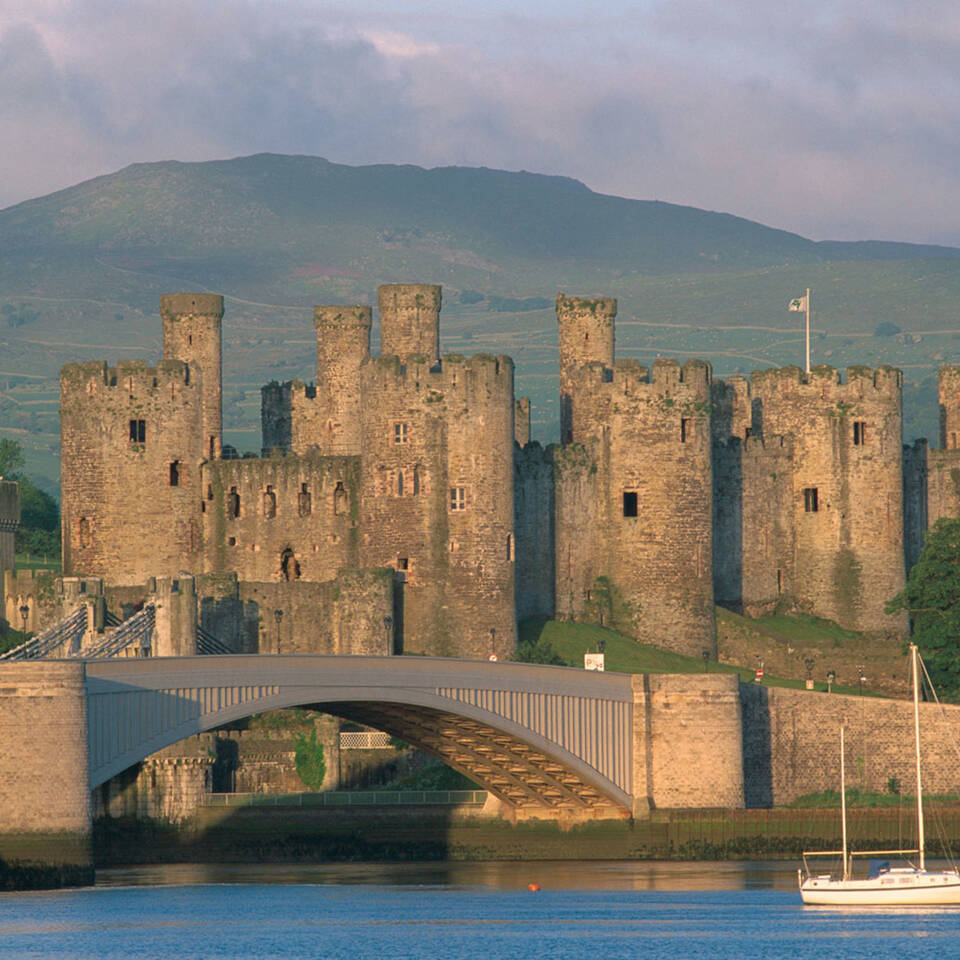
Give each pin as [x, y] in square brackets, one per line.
[835, 119]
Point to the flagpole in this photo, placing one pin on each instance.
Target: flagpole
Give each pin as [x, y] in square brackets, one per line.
[808, 330]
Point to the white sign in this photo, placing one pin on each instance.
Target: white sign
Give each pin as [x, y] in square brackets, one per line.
[593, 661]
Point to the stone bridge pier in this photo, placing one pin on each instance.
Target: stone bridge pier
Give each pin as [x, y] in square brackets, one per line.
[548, 742]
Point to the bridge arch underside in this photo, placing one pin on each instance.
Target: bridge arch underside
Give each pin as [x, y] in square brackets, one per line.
[526, 778]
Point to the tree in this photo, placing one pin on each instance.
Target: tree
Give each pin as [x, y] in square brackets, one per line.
[308, 759]
[932, 599]
[11, 457]
[538, 651]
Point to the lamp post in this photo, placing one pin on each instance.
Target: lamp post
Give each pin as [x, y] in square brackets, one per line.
[388, 632]
[808, 663]
[861, 679]
[706, 660]
[493, 645]
[831, 680]
[278, 616]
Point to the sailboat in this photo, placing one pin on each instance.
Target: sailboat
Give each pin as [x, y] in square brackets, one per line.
[883, 886]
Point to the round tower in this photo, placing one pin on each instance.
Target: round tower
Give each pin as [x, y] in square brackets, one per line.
[191, 334]
[343, 343]
[410, 320]
[949, 390]
[586, 331]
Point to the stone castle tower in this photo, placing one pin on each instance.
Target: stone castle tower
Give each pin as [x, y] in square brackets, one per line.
[633, 487]
[809, 495]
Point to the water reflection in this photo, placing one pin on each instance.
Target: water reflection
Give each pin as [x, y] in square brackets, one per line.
[517, 875]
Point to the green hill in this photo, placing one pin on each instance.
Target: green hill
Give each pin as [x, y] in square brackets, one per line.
[81, 271]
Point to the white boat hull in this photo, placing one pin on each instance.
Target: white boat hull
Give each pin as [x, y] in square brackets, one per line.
[895, 888]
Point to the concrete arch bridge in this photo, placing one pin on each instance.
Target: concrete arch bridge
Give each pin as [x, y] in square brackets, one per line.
[549, 742]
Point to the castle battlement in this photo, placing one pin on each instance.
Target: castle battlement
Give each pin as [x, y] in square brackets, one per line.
[455, 374]
[94, 378]
[826, 382]
[342, 318]
[667, 379]
[176, 307]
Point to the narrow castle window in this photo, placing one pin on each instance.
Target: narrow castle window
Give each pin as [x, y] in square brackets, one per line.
[138, 431]
[630, 503]
[403, 563]
[304, 505]
[175, 473]
[209, 491]
[233, 503]
[269, 503]
[859, 433]
[458, 498]
[952, 441]
[686, 430]
[231, 541]
[289, 566]
[339, 499]
[399, 433]
[510, 552]
[83, 532]
[779, 581]
[399, 483]
[811, 499]
[416, 481]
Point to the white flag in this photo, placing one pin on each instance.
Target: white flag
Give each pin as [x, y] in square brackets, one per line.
[798, 304]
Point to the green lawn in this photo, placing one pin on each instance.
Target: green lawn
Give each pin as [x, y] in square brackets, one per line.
[624, 655]
[797, 629]
[26, 561]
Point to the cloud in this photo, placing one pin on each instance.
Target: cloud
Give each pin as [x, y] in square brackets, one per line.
[837, 120]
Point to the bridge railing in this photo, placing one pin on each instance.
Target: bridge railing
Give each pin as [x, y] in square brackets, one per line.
[66, 632]
[137, 630]
[350, 798]
[365, 740]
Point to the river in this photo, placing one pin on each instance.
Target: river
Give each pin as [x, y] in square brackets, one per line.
[462, 911]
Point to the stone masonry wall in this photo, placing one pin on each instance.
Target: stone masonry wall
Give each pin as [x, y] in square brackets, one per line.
[753, 545]
[44, 781]
[687, 741]
[131, 455]
[534, 527]
[9, 522]
[350, 615]
[281, 517]
[791, 743]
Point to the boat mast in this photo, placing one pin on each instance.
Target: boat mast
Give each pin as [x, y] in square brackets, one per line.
[843, 805]
[916, 733]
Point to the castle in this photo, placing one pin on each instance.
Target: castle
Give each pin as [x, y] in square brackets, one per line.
[399, 505]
